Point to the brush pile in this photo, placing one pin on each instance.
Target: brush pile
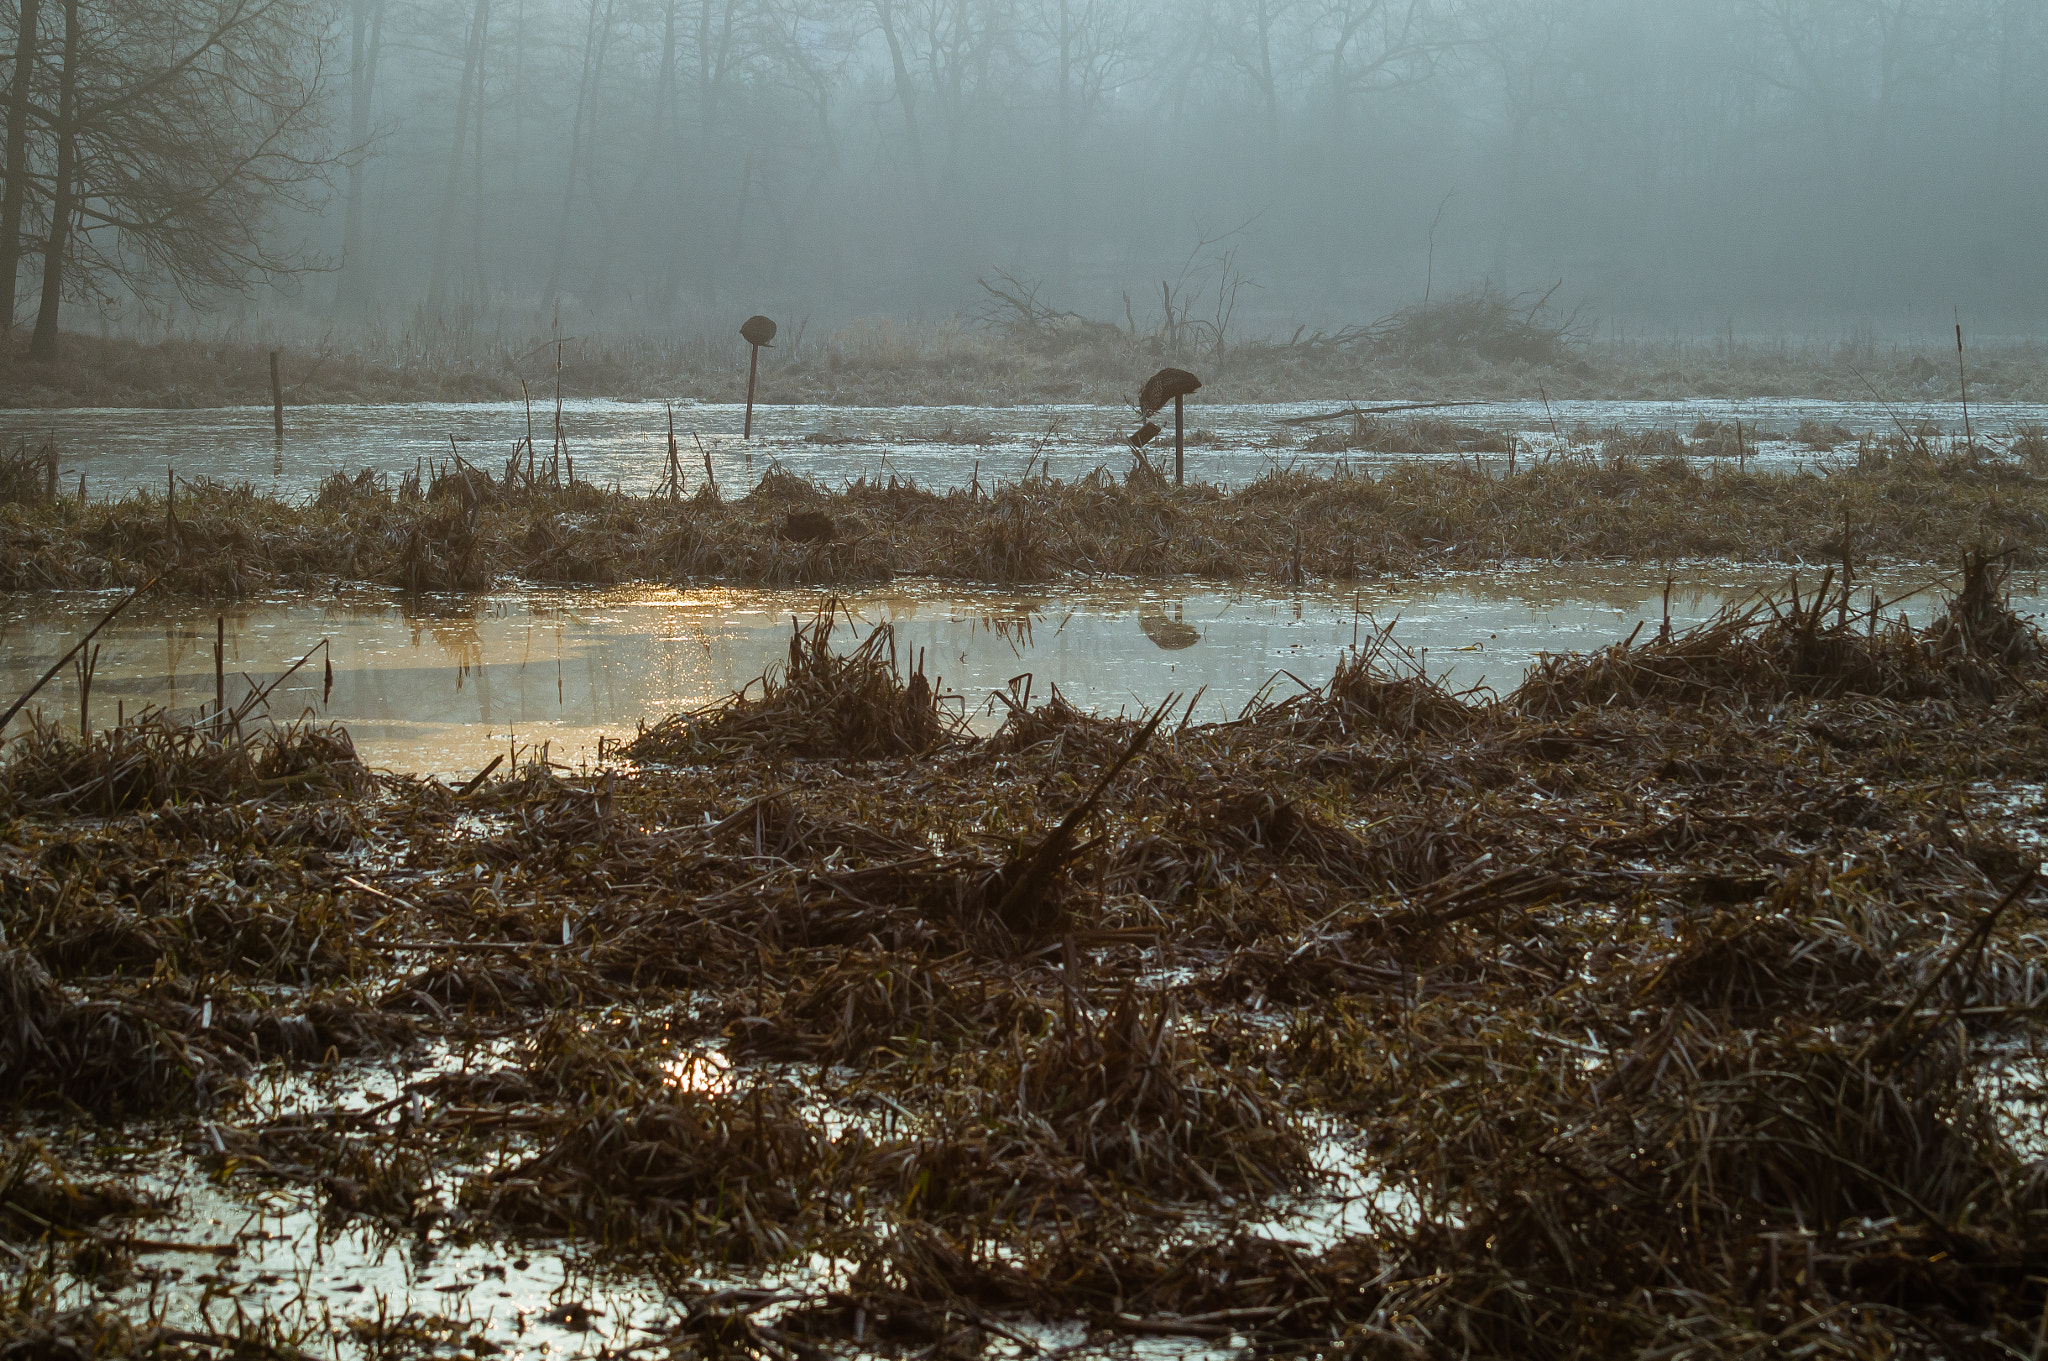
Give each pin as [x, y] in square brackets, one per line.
[1683, 1002]
[1484, 323]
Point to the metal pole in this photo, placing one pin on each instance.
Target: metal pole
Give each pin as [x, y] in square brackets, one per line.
[753, 367]
[1179, 471]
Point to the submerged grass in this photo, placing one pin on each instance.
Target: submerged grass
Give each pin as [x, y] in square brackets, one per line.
[1664, 1006]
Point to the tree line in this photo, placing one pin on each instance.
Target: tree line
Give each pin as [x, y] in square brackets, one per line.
[663, 155]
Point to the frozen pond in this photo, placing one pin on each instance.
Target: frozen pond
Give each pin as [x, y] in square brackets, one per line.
[117, 450]
[440, 684]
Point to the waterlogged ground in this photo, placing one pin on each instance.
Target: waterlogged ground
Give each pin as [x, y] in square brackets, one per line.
[1717, 926]
[441, 684]
[263, 1248]
[118, 450]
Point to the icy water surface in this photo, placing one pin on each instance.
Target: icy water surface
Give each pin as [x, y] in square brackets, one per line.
[441, 684]
[626, 442]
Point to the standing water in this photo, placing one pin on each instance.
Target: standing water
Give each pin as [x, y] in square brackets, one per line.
[441, 683]
[626, 442]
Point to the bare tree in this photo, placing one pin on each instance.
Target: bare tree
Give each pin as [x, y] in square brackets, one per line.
[42, 346]
[181, 128]
[366, 43]
[597, 30]
[20, 97]
[472, 79]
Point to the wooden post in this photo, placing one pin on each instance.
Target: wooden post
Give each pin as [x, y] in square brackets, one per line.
[1174, 385]
[1179, 473]
[753, 367]
[276, 399]
[171, 504]
[756, 331]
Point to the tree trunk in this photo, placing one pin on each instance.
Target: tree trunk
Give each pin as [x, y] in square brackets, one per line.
[592, 139]
[1063, 241]
[42, 346]
[17, 162]
[575, 162]
[1510, 197]
[437, 282]
[906, 92]
[366, 36]
[657, 153]
[477, 152]
[1266, 86]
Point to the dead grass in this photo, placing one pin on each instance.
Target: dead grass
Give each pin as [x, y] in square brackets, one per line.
[860, 705]
[155, 760]
[1482, 345]
[1288, 525]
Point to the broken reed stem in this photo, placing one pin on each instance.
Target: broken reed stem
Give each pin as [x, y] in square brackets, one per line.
[1979, 933]
[220, 682]
[88, 660]
[76, 647]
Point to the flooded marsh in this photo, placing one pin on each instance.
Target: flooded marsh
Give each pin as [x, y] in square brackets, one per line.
[468, 910]
[947, 448]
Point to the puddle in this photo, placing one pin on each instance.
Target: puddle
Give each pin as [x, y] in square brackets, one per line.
[119, 449]
[442, 684]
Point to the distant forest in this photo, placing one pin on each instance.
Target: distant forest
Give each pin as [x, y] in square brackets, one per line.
[1683, 164]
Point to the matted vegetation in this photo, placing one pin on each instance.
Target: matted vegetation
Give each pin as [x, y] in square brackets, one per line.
[1676, 1003]
[1907, 499]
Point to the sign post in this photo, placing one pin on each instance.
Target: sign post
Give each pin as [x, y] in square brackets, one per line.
[758, 331]
[1175, 384]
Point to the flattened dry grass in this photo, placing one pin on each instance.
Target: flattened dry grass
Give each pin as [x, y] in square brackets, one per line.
[1132, 1099]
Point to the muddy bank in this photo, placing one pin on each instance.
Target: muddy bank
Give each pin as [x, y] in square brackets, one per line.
[1682, 998]
[463, 527]
[887, 363]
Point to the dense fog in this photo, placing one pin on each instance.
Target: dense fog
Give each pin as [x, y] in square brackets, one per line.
[1682, 166]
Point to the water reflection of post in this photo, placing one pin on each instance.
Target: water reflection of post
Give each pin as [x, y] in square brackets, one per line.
[483, 686]
[276, 401]
[1171, 634]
